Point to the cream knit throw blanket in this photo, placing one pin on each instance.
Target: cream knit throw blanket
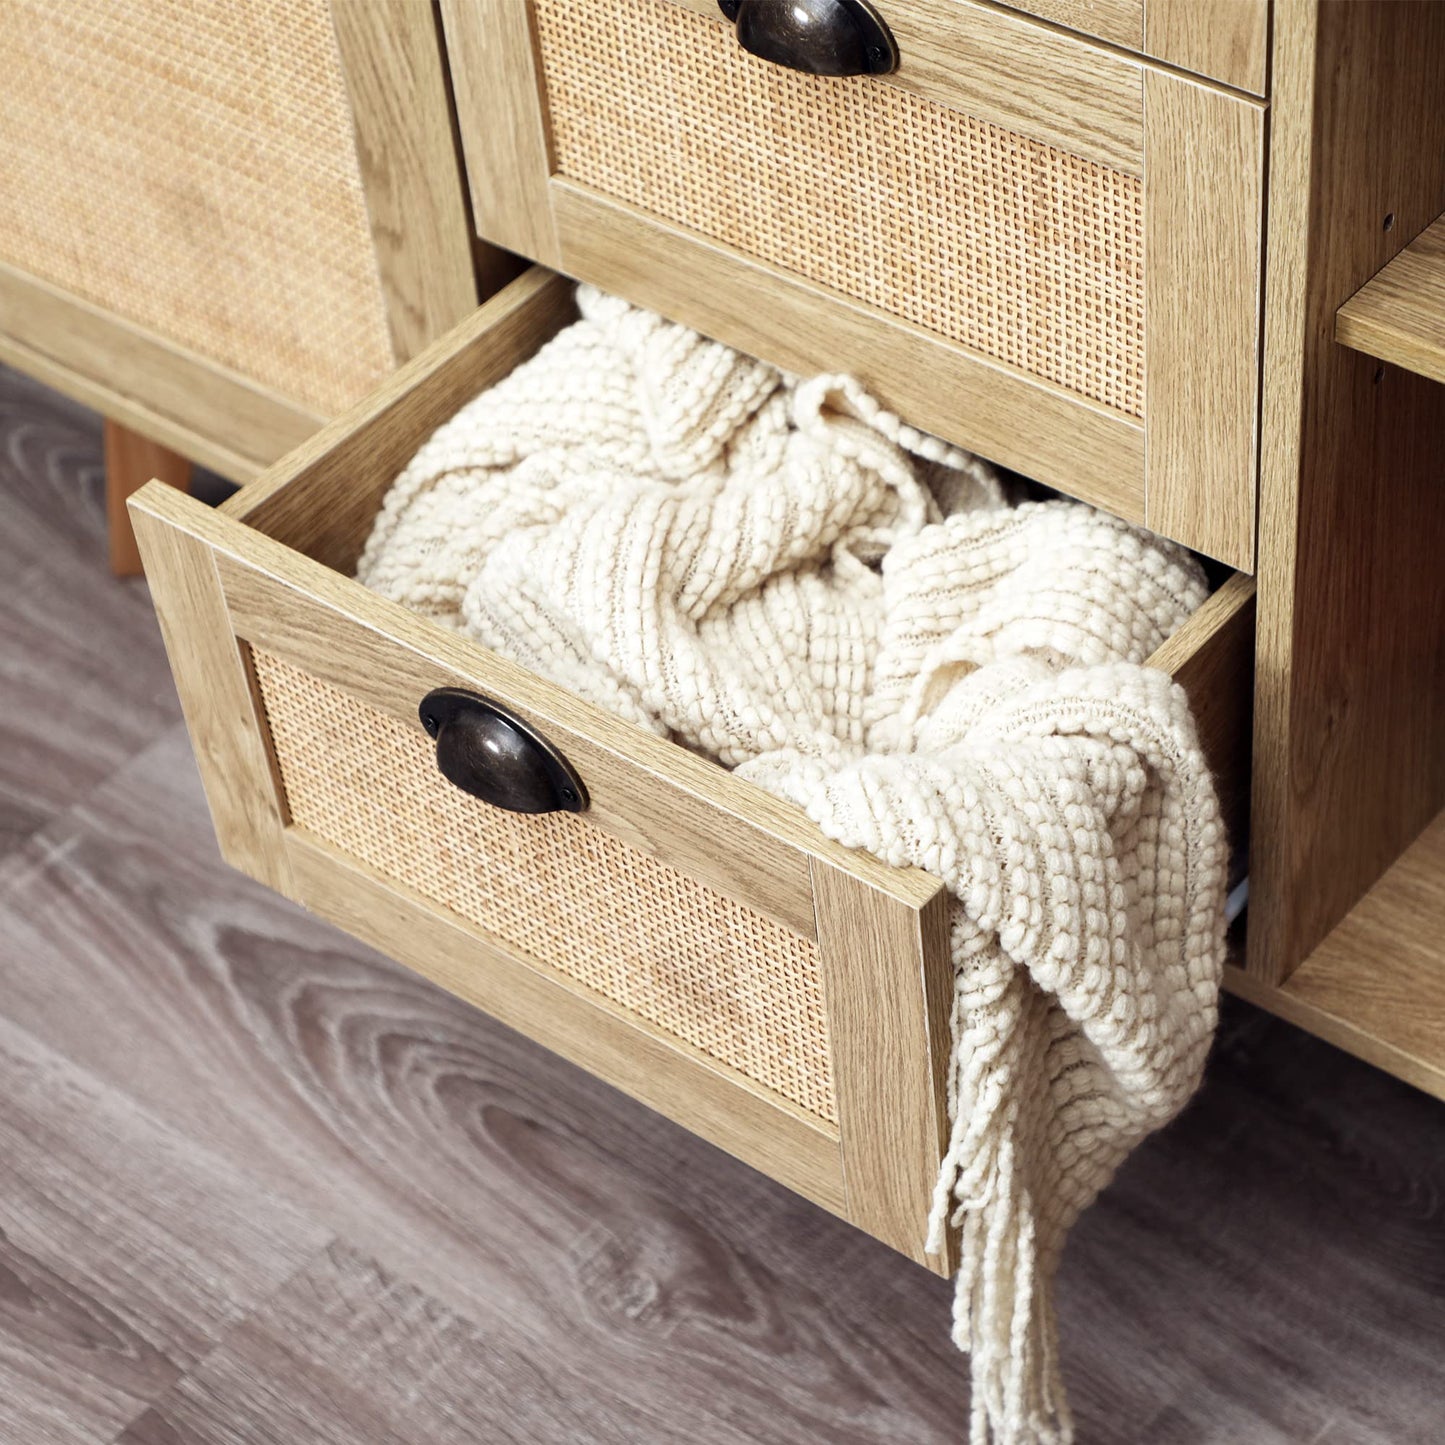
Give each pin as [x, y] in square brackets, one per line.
[844, 610]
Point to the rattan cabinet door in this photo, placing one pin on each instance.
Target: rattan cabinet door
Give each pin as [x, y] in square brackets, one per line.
[224, 223]
[1033, 245]
[689, 938]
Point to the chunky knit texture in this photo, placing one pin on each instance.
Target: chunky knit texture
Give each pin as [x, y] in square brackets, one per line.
[847, 612]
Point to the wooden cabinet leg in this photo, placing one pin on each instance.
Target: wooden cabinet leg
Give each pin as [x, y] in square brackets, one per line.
[131, 460]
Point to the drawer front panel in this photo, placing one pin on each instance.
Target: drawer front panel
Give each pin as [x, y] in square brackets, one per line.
[1008, 245]
[1039, 248]
[710, 971]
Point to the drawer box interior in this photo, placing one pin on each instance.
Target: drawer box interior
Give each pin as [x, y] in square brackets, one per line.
[689, 937]
[1035, 246]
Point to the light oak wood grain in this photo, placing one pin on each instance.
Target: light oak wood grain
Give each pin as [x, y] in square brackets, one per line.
[1212, 658]
[129, 412]
[997, 66]
[1120, 22]
[1399, 315]
[1202, 244]
[348, 464]
[1055, 436]
[888, 982]
[147, 374]
[213, 680]
[1350, 695]
[496, 77]
[1226, 40]
[1376, 984]
[396, 81]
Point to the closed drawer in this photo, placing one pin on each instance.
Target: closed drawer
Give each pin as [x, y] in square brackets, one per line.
[224, 223]
[688, 937]
[1031, 244]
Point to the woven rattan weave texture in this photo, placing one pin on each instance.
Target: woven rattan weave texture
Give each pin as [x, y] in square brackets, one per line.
[737, 986]
[1009, 246]
[191, 167]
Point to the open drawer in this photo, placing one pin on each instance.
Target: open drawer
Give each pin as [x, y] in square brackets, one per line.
[1038, 247]
[688, 937]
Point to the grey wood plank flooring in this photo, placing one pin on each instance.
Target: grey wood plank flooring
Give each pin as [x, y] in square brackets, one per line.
[343, 1333]
[77, 696]
[258, 1184]
[126, 1250]
[498, 1178]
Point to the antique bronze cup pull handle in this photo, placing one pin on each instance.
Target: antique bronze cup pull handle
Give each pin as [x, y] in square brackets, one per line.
[489, 752]
[821, 37]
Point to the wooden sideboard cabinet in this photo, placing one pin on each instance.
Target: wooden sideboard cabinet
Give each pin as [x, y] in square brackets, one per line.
[1174, 259]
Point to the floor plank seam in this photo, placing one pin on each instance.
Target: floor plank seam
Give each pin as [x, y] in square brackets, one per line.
[224, 1341]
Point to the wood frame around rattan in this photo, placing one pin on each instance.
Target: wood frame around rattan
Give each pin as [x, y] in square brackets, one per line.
[1187, 469]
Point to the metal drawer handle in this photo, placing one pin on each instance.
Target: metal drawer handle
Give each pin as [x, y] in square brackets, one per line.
[820, 37]
[489, 752]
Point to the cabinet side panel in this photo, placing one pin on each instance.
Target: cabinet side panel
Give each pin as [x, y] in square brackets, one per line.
[1350, 693]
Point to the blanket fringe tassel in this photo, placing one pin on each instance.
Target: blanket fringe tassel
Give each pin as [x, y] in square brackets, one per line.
[1003, 1312]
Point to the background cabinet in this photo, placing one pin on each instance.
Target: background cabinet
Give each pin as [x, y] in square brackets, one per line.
[223, 223]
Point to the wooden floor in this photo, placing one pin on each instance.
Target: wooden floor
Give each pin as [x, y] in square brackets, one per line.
[258, 1186]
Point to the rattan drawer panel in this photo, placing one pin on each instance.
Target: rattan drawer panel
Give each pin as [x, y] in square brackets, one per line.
[688, 938]
[737, 986]
[1043, 249]
[1012, 247]
[1226, 40]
